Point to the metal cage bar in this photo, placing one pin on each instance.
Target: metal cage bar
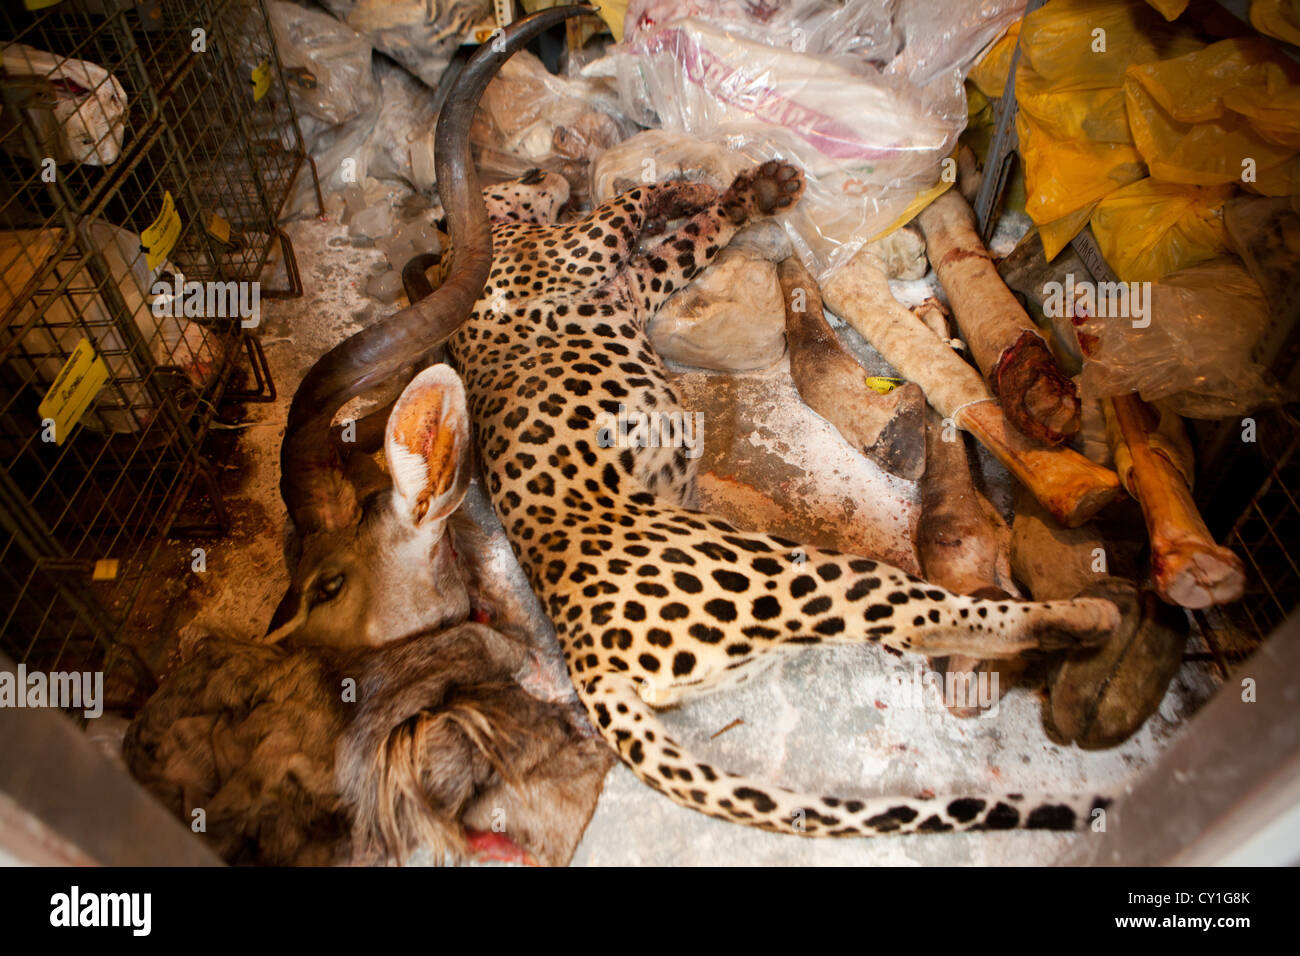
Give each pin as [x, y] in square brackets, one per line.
[136, 152]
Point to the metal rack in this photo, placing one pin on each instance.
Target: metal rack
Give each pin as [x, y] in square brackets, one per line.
[137, 149]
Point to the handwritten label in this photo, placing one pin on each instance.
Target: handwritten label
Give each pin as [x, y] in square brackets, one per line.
[159, 239]
[76, 385]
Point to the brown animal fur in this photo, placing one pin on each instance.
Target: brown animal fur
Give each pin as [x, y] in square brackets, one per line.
[440, 738]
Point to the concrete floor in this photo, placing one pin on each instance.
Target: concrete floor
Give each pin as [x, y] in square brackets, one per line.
[843, 720]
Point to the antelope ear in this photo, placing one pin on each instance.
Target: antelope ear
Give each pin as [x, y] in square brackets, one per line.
[426, 444]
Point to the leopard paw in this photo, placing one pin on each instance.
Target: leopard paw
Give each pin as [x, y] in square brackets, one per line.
[772, 188]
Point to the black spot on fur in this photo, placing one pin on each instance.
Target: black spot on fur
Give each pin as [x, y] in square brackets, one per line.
[674, 611]
[721, 609]
[1048, 817]
[687, 582]
[731, 581]
[761, 801]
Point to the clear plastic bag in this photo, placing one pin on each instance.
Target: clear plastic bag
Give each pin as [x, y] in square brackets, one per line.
[337, 59]
[530, 118]
[939, 37]
[86, 122]
[421, 35]
[401, 144]
[869, 144]
[1195, 356]
[861, 30]
[1266, 234]
[337, 107]
[659, 155]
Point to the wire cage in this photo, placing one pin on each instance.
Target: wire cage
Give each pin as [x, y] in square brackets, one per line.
[139, 204]
[1265, 532]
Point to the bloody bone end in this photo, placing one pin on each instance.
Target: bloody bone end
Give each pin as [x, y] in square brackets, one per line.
[1190, 569]
[1036, 396]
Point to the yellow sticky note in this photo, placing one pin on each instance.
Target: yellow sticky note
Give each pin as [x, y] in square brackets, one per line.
[883, 385]
[160, 238]
[261, 80]
[76, 385]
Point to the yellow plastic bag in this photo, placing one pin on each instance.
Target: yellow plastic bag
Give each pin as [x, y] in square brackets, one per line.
[1148, 229]
[1171, 9]
[611, 11]
[1073, 120]
[1074, 54]
[1064, 179]
[1219, 115]
[1087, 44]
[1277, 18]
[1283, 180]
[991, 72]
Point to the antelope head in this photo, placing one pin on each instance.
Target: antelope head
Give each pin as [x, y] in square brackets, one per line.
[375, 562]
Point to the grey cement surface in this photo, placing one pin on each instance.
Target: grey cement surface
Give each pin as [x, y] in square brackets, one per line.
[849, 720]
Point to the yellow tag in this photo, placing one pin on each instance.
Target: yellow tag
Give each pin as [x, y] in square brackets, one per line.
[261, 80]
[884, 386]
[105, 570]
[918, 203]
[218, 228]
[76, 385]
[39, 4]
[162, 233]
[613, 12]
[483, 34]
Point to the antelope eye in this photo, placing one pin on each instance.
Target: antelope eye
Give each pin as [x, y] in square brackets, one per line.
[327, 589]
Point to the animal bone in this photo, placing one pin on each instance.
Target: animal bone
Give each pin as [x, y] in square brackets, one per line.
[1100, 698]
[1071, 487]
[1190, 569]
[1035, 395]
[963, 543]
[888, 429]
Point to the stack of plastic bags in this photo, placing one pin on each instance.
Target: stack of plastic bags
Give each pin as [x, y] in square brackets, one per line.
[1135, 125]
